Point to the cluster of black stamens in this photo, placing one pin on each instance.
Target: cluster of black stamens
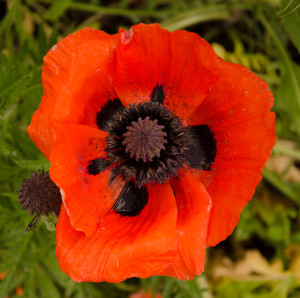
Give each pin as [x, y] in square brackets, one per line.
[148, 150]
[40, 195]
[147, 143]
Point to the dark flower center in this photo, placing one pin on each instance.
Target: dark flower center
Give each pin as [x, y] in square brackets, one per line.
[144, 139]
[147, 143]
[151, 148]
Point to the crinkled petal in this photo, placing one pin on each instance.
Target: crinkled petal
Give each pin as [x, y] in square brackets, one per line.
[192, 72]
[237, 111]
[194, 208]
[142, 61]
[122, 247]
[148, 55]
[87, 197]
[238, 95]
[76, 81]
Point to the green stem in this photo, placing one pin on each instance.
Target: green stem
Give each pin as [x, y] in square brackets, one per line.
[180, 23]
[149, 13]
[117, 11]
[113, 10]
[11, 273]
[125, 287]
[284, 55]
[154, 13]
[291, 152]
[31, 88]
[281, 186]
[33, 164]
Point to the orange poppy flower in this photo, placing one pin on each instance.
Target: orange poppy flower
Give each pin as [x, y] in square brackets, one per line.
[156, 145]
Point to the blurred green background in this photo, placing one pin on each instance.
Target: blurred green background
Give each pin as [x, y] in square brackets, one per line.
[262, 257]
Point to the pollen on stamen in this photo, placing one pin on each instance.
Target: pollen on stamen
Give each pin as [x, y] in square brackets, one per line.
[144, 139]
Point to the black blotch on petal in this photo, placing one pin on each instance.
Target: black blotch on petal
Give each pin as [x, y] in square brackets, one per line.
[132, 200]
[112, 177]
[96, 166]
[158, 94]
[202, 147]
[110, 108]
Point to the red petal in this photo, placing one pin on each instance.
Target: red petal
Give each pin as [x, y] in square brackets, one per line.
[76, 83]
[87, 198]
[141, 62]
[237, 111]
[123, 246]
[148, 55]
[246, 145]
[192, 72]
[236, 173]
[237, 96]
[194, 207]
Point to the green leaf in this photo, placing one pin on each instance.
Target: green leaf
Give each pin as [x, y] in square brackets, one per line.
[281, 186]
[6, 21]
[34, 164]
[155, 284]
[11, 94]
[43, 47]
[168, 288]
[53, 37]
[57, 9]
[289, 7]
[30, 284]
[286, 95]
[10, 275]
[265, 288]
[291, 21]
[48, 288]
